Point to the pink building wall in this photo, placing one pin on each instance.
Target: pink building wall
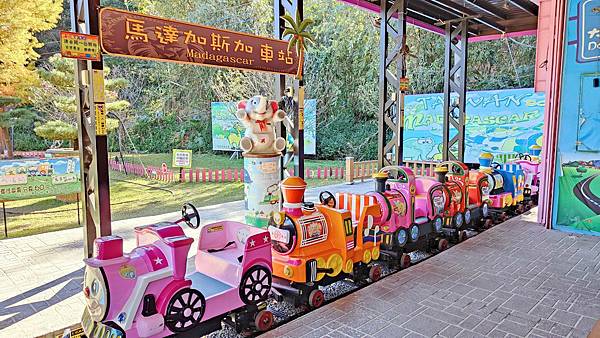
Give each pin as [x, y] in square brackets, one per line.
[551, 30]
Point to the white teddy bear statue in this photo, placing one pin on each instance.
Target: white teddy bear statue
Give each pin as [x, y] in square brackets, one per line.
[258, 115]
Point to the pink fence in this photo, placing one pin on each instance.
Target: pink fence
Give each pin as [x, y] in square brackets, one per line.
[205, 175]
[29, 154]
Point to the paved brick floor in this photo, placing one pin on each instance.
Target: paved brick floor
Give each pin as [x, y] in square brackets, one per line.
[515, 280]
[41, 275]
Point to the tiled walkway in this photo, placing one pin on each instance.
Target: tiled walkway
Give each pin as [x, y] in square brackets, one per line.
[41, 275]
[514, 280]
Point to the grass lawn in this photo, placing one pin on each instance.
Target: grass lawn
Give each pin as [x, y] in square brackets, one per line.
[135, 197]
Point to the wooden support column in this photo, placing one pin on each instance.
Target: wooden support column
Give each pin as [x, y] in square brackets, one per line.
[93, 150]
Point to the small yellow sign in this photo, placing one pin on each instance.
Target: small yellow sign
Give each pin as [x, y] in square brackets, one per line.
[98, 85]
[404, 84]
[100, 119]
[182, 158]
[215, 228]
[79, 46]
[74, 333]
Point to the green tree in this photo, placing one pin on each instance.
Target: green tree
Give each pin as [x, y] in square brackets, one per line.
[55, 98]
[12, 115]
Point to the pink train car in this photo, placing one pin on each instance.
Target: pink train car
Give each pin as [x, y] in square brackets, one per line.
[410, 210]
[146, 293]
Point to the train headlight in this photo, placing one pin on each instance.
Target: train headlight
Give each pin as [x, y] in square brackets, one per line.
[414, 233]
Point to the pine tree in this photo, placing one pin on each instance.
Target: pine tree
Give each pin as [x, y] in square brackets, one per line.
[55, 98]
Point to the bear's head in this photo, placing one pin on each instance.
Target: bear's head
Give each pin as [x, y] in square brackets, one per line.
[259, 108]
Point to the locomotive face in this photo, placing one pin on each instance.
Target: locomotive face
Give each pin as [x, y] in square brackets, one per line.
[96, 293]
[498, 181]
[456, 196]
[439, 201]
[486, 186]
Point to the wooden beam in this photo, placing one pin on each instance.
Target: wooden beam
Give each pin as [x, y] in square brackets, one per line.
[487, 8]
[526, 6]
[467, 12]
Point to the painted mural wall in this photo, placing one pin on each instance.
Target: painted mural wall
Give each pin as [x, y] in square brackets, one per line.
[227, 130]
[577, 201]
[501, 122]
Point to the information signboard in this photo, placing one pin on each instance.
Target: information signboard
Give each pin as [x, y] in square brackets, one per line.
[182, 158]
[588, 28]
[33, 178]
[79, 46]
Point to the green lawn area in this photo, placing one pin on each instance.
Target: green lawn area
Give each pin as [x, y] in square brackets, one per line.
[133, 196]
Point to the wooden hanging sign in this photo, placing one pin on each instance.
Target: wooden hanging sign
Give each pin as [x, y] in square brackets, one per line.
[129, 34]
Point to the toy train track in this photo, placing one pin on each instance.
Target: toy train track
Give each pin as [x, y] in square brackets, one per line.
[243, 274]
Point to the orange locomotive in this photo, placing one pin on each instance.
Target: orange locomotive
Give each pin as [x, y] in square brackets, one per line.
[319, 245]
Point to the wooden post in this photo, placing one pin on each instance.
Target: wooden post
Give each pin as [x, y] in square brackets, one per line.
[349, 170]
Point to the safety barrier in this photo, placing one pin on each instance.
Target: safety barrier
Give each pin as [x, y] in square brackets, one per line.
[206, 175]
[27, 154]
[361, 170]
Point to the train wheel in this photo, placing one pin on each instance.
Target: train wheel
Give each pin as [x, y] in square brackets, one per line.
[442, 245]
[485, 210]
[349, 266]
[375, 253]
[488, 223]
[503, 217]
[458, 220]
[401, 237]
[366, 257]
[404, 261]
[520, 209]
[414, 233]
[255, 284]
[321, 264]
[263, 320]
[462, 236]
[185, 310]
[467, 217]
[336, 263]
[375, 273]
[316, 298]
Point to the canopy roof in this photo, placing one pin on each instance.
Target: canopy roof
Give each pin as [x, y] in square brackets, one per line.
[490, 18]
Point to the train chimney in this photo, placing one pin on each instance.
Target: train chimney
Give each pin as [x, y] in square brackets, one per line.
[380, 180]
[441, 172]
[293, 189]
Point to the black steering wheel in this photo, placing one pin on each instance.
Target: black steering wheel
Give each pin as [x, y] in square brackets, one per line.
[327, 199]
[496, 165]
[190, 214]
